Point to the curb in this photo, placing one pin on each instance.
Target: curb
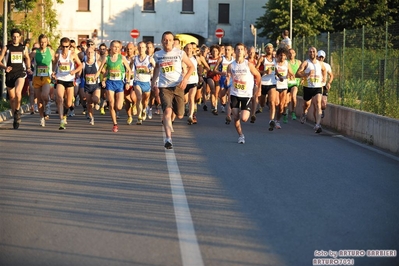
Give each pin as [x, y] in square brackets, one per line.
[6, 115]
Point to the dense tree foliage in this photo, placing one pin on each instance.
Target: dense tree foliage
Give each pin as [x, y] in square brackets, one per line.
[310, 17]
[37, 23]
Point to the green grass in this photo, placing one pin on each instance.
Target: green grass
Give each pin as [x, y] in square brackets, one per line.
[5, 104]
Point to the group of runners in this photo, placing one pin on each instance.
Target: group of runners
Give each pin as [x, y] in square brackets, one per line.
[235, 80]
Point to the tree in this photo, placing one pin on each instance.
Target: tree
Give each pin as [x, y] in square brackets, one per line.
[308, 18]
[44, 21]
[349, 14]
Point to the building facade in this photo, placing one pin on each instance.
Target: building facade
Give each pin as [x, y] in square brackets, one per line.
[106, 20]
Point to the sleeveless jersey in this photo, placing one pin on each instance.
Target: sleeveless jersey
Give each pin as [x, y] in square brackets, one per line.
[116, 70]
[315, 77]
[328, 70]
[170, 64]
[65, 66]
[271, 78]
[193, 79]
[211, 63]
[225, 63]
[283, 71]
[294, 68]
[15, 58]
[43, 63]
[89, 73]
[141, 72]
[243, 80]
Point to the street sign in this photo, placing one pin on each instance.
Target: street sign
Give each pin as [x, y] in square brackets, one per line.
[219, 33]
[134, 33]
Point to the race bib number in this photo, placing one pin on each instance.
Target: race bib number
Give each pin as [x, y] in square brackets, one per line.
[167, 69]
[141, 70]
[16, 57]
[90, 79]
[115, 75]
[240, 85]
[64, 67]
[42, 71]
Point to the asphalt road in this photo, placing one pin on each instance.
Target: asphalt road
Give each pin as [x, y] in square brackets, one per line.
[88, 196]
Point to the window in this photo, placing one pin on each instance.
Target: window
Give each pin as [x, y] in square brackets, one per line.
[82, 38]
[84, 5]
[148, 39]
[224, 14]
[148, 5]
[188, 6]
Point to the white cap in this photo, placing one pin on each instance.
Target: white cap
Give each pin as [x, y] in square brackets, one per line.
[321, 53]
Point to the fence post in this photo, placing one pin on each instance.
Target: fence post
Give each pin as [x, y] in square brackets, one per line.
[362, 74]
[343, 69]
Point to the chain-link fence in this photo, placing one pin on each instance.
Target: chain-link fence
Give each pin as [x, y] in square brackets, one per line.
[365, 64]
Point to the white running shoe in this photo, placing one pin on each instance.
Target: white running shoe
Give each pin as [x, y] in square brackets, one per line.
[91, 121]
[42, 122]
[149, 113]
[241, 139]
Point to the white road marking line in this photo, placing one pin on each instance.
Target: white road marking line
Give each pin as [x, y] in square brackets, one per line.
[189, 248]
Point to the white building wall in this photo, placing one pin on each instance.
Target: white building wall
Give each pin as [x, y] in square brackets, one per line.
[121, 16]
[243, 13]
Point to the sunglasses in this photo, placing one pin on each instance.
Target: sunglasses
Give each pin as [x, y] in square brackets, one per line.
[90, 44]
[65, 46]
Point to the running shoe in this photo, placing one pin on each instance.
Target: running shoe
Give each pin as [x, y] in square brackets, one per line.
[190, 120]
[129, 120]
[71, 113]
[303, 118]
[278, 126]
[102, 111]
[241, 139]
[62, 125]
[91, 121]
[285, 119]
[65, 120]
[84, 111]
[272, 124]
[223, 109]
[293, 116]
[168, 144]
[205, 107]
[149, 113]
[139, 121]
[42, 122]
[253, 119]
[144, 115]
[318, 129]
[32, 113]
[215, 111]
[115, 128]
[17, 119]
[260, 110]
[228, 120]
[195, 119]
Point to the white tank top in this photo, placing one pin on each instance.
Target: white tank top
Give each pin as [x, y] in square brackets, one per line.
[243, 80]
[271, 78]
[225, 63]
[283, 71]
[64, 67]
[193, 79]
[141, 69]
[328, 70]
[170, 67]
[315, 77]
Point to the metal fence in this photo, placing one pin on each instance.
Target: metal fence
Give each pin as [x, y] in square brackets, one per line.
[365, 63]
